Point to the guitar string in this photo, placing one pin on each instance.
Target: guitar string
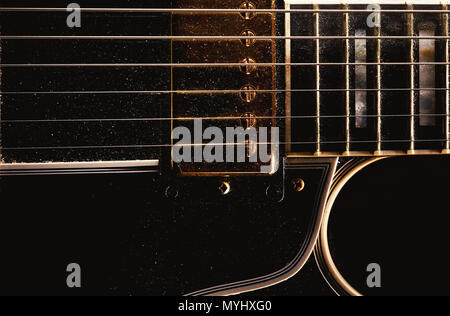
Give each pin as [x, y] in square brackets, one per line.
[387, 141]
[224, 92]
[277, 37]
[218, 37]
[220, 118]
[222, 10]
[198, 65]
[277, 91]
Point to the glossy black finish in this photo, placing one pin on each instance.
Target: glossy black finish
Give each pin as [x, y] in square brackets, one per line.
[159, 234]
[84, 126]
[395, 213]
[130, 238]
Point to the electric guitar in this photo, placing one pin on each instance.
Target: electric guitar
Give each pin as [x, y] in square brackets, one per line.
[192, 147]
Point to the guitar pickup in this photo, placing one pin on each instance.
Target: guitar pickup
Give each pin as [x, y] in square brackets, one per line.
[224, 84]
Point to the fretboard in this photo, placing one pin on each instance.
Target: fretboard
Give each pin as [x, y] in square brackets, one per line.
[368, 82]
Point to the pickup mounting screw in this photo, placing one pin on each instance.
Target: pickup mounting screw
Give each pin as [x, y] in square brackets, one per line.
[248, 120]
[247, 66]
[275, 193]
[225, 188]
[172, 192]
[298, 184]
[247, 5]
[248, 93]
[248, 41]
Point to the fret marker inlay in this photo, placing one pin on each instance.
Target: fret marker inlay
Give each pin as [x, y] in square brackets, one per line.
[361, 80]
[427, 52]
[347, 80]
[447, 81]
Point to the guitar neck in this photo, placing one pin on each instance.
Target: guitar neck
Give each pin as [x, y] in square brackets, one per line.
[368, 79]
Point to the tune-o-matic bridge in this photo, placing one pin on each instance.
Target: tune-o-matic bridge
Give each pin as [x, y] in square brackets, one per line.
[223, 86]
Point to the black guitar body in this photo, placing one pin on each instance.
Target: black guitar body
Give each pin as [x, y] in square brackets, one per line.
[87, 175]
[399, 221]
[150, 235]
[131, 237]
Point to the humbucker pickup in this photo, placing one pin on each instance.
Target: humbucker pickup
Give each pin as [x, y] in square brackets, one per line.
[229, 91]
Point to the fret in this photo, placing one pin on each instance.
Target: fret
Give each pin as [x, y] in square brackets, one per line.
[347, 79]
[396, 105]
[429, 103]
[379, 93]
[317, 60]
[412, 80]
[363, 127]
[446, 81]
[303, 103]
[360, 82]
[333, 103]
[362, 100]
[1, 153]
[288, 75]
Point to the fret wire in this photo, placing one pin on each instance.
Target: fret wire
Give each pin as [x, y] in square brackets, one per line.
[288, 79]
[316, 21]
[205, 144]
[1, 101]
[216, 10]
[447, 81]
[379, 89]
[412, 122]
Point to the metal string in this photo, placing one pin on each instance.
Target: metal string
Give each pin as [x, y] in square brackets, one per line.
[218, 144]
[234, 10]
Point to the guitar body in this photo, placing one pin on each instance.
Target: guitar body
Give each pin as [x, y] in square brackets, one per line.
[134, 238]
[126, 232]
[212, 148]
[403, 227]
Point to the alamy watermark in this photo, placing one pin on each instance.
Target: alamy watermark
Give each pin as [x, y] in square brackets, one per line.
[238, 145]
[73, 279]
[74, 18]
[374, 278]
[374, 19]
